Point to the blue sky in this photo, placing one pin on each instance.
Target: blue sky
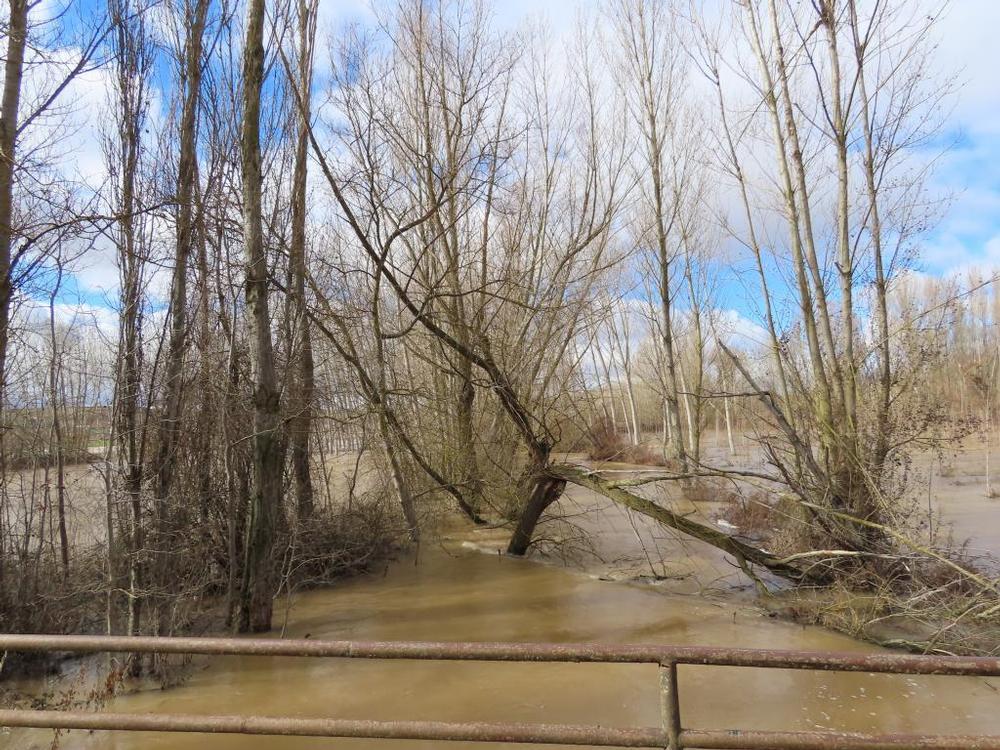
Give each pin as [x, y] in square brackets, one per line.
[969, 234]
[969, 172]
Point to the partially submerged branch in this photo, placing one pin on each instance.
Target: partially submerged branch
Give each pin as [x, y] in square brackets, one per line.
[684, 524]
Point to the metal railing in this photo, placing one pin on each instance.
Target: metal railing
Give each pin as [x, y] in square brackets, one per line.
[670, 734]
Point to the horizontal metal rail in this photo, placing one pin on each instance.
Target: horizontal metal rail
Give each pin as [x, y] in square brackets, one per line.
[529, 734]
[834, 661]
[670, 734]
[550, 734]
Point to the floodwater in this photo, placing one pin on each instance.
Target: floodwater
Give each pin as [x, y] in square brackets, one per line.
[462, 590]
[458, 595]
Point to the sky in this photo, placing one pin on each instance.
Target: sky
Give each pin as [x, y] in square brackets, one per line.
[969, 170]
[970, 232]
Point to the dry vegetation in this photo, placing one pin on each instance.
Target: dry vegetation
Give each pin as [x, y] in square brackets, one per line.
[442, 254]
[607, 444]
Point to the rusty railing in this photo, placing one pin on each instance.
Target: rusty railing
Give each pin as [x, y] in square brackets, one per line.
[671, 734]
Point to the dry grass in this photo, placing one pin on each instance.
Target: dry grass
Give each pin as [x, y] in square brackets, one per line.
[920, 597]
[751, 514]
[912, 613]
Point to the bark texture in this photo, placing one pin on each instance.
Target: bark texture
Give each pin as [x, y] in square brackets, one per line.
[256, 600]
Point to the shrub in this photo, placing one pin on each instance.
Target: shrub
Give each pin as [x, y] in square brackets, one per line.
[336, 542]
[607, 444]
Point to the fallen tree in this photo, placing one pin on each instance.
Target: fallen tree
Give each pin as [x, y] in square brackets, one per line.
[742, 551]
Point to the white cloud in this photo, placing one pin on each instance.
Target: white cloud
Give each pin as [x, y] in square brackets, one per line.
[34, 315]
[738, 330]
[968, 46]
[969, 235]
[950, 257]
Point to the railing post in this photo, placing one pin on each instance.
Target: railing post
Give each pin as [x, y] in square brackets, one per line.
[670, 707]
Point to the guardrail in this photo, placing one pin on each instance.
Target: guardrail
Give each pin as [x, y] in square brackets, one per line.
[670, 734]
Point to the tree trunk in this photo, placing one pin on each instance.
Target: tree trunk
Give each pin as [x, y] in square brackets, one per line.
[545, 490]
[399, 482]
[742, 551]
[303, 382]
[729, 426]
[187, 177]
[256, 599]
[795, 221]
[57, 430]
[654, 155]
[17, 38]
[882, 422]
[466, 444]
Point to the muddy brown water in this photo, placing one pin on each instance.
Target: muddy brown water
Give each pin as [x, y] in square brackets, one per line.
[458, 593]
[465, 595]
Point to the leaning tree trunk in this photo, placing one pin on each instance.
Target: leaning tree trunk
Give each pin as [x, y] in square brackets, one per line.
[544, 491]
[743, 552]
[398, 478]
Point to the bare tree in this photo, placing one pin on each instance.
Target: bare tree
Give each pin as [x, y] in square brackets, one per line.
[830, 136]
[133, 55]
[193, 20]
[17, 40]
[303, 380]
[259, 584]
[29, 214]
[651, 81]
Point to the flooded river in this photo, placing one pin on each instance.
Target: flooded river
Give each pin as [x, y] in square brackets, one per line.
[465, 595]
